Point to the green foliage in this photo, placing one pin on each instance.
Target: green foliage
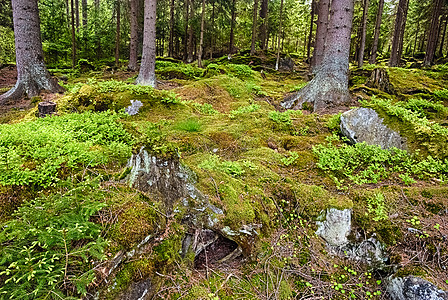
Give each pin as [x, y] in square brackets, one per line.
[441, 94]
[243, 110]
[362, 163]
[155, 139]
[232, 168]
[283, 119]
[189, 125]
[7, 49]
[170, 70]
[47, 249]
[376, 207]
[422, 106]
[334, 122]
[241, 71]
[168, 97]
[38, 152]
[291, 159]
[256, 89]
[298, 87]
[205, 109]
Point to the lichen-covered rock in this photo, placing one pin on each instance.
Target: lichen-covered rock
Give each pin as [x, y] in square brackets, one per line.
[369, 251]
[336, 226]
[364, 125]
[134, 107]
[414, 288]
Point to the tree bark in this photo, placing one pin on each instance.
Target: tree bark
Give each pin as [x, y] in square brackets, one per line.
[263, 24]
[187, 14]
[362, 46]
[77, 14]
[84, 13]
[321, 34]
[433, 33]
[310, 36]
[73, 35]
[171, 41]
[440, 54]
[133, 47]
[201, 42]
[191, 34]
[32, 75]
[376, 36]
[232, 27]
[147, 74]
[400, 21]
[117, 34]
[329, 88]
[212, 29]
[254, 28]
[279, 35]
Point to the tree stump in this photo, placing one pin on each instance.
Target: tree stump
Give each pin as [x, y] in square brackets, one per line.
[46, 108]
[379, 79]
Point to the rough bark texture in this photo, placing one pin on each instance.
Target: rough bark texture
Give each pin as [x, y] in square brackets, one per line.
[186, 5]
[232, 27]
[133, 47]
[403, 27]
[77, 13]
[279, 35]
[117, 34]
[191, 34]
[171, 41]
[376, 37]
[254, 28]
[433, 33]
[329, 87]
[84, 12]
[46, 108]
[400, 21]
[379, 79]
[362, 46]
[321, 34]
[147, 74]
[32, 76]
[310, 36]
[73, 35]
[263, 24]
[201, 42]
[440, 54]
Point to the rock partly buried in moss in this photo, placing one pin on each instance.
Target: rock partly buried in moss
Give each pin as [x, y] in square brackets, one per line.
[364, 125]
[335, 226]
[414, 288]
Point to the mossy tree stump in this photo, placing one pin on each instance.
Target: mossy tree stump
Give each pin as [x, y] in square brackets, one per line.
[46, 108]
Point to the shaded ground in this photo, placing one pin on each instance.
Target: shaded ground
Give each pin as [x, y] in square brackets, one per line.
[8, 77]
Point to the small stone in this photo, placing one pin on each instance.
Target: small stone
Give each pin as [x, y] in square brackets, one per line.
[336, 226]
[414, 288]
[134, 107]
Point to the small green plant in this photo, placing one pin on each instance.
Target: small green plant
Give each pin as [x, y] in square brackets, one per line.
[189, 125]
[232, 168]
[205, 109]
[243, 110]
[240, 71]
[376, 207]
[291, 159]
[154, 138]
[169, 97]
[334, 122]
[283, 119]
[441, 94]
[298, 87]
[414, 221]
[256, 89]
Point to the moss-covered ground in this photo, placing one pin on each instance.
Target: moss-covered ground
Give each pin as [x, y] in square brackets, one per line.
[260, 165]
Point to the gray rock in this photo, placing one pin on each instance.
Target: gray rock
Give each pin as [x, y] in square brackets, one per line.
[364, 125]
[336, 226]
[414, 288]
[134, 107]
[369, 251]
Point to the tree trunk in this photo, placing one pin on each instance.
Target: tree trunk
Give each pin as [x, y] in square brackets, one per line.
[187, 10]
[212, 29]
[379, 79]
[117, 36]
[171, 41]
[133, 47]
[433, 33]
[263, 23]
[77, 14]
[416, 36]
[84, 13]
[362, 46]
[321, 34]
[232, 27]
[201, 42]
[191, 47]
[329, 87]
[32, 75]
[440, 54]
[254, 28]
[400, 21]
[310, 36]
[376, 36]
[403, 27]
[73, 36]
[147, 75]
[279, 35]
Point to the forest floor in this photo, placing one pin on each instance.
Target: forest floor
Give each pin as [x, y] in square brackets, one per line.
[269, 170]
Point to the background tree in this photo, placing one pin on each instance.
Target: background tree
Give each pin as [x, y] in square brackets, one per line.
[363, 34]
[147, 74]
[133, 45]
[321, 34]
[400, 23]
[379, 17]
[32, 75]
[433, 32]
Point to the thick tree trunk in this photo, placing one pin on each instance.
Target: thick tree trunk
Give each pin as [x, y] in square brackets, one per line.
[329, 87]
[310, 35]
[263, 23]
[433, 33]
[376, 36]
[254, 28]
[232, 27]
[440, 54]
[362, 46]
[133, 47]
[191, 46]
[147, 74]
[321, 34]
[73, 36]
[32, 75]
[400, 21]
[84, 13]
[201, 42]
[171, 41]
[403, 27]
[117, 34]
[279, 35]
